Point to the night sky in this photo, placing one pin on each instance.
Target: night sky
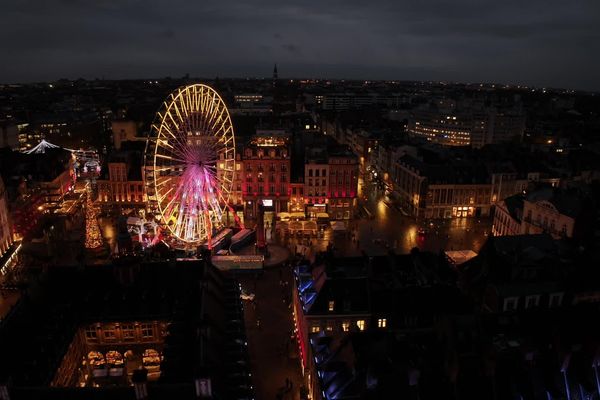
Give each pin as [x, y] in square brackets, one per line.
[537, 42]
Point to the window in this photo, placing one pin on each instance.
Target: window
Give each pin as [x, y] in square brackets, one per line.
[109, 333]
[555, 300]
[331, 305]
[361, 324]
[532, 301]
[147, 331]
[381, 323]
[511, 303]
[310, 172]
[315, 329]
[128, 332]
[90, 333]
[323, 173]
[345, 326]
[317, 173]
[329, 326]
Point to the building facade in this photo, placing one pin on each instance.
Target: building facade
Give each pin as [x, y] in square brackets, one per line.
[316, 184]
[449, 129]
[343, 182]
[550, 210]
[122, 182]
[6, 233]
[266, 169]
[441, 191]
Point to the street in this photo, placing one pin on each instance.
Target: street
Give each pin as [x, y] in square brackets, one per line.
[269, 325]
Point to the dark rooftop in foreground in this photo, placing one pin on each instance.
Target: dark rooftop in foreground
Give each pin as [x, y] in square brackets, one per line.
[200, 306]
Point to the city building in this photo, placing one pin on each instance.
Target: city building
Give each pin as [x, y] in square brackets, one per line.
[450, 129]
[266, 168]
[35, 184]
[442, 188]
[6, 230]
[472, 126]
[343, 296]
[123, 130]
[9, 135]
[343, 182]
[518, 273]
[316, 181]
[561, 213]
[508, 216]
[172, 319]
[251, 104]
[122, 179]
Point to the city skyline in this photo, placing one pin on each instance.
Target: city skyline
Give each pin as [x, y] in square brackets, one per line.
[459, 42]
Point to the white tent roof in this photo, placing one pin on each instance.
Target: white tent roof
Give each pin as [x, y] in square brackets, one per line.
[42, 146]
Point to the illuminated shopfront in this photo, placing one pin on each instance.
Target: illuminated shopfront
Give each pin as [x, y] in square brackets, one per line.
[460, 212]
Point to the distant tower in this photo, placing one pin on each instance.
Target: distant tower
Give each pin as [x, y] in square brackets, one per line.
[275, 77]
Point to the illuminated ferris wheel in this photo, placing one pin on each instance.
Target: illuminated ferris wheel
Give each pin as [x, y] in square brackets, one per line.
[191, 137]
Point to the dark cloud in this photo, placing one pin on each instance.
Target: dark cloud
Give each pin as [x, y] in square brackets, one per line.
[541, 42]
[292, 48]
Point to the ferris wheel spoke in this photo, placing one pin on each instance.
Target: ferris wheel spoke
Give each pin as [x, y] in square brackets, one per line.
[176, 138]
[167, 157]
[209, 112]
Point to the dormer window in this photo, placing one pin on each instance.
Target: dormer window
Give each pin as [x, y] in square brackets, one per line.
[532, 301]
[331, 305]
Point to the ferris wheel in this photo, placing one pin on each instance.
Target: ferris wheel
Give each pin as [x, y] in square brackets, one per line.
[190, 161]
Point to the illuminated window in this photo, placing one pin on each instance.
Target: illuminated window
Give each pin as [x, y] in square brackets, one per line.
[331, 305]
[381, 323]
[345, 326]
[315, 329]
[361, 324]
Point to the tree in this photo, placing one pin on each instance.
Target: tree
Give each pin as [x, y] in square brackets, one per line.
[93, 236]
